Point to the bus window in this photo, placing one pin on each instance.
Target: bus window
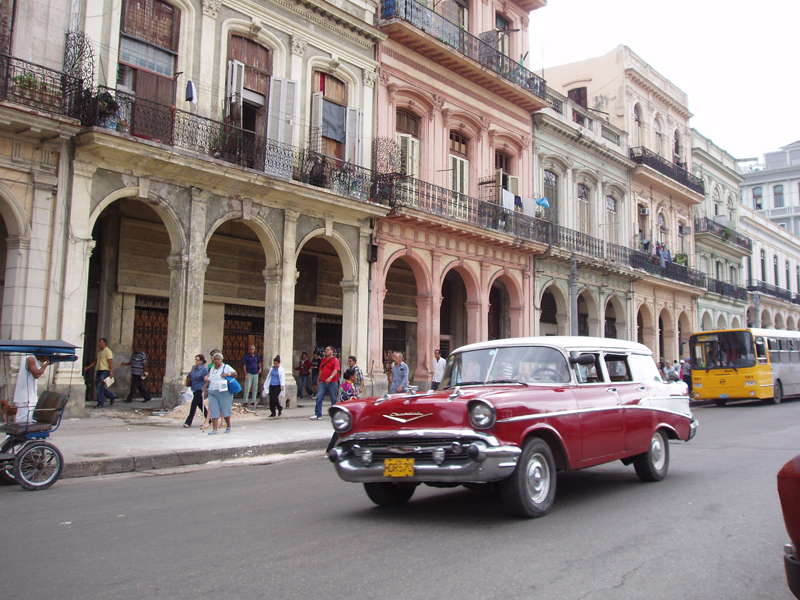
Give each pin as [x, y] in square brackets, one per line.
[722, 350]
[794, 350]
[761, 351]
[774, 353]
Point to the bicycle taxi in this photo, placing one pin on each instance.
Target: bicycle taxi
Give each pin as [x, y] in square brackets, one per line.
[26, 457]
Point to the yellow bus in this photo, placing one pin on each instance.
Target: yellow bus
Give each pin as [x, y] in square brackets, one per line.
[745, 364]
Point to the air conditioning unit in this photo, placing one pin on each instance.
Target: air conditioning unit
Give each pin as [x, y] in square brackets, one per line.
[645, 212]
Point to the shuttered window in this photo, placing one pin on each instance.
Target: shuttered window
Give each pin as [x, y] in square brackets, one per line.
[257, 61]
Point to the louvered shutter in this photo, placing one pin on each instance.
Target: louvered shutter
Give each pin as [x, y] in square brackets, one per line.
[315, 141]
[234, 92]
[280, 121]
[353, 136]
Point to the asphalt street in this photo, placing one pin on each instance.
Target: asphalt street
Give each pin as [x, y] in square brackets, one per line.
[291, 529]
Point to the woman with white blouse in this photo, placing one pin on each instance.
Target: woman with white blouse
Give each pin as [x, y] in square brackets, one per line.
[220, 399]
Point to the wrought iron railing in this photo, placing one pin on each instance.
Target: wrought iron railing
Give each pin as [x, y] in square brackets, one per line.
[401, 191]
[670, 270]
[643, 156]
[143, 119]
[463, 42]
[706, 225]
[755, 285]
[575, 241]
[40, 88]
[726, 289]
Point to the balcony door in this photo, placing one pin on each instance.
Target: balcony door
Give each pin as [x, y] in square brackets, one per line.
[459, 175]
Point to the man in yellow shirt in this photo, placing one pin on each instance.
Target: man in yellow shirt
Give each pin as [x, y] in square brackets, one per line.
[105, 369]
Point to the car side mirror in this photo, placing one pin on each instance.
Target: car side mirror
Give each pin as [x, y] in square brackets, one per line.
[576, 358]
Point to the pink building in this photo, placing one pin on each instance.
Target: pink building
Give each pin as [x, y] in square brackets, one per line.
[453, 261]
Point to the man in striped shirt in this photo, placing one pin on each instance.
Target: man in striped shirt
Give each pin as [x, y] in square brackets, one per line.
[138, 362]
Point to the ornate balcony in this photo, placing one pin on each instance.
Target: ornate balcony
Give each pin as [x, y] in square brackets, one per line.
[145, 120]
[449, 45]
[729, 290]
[670, 270]
[754, 285]
[706, 225]
[399, 191]
[39, 88]
[643, 156]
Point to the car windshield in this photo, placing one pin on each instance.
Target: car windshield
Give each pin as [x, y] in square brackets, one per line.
[516, 364]
[722, 350]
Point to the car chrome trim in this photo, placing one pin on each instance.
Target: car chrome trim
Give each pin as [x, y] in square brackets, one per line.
[421, 434]
[563, 413]
[406, 417]
[336, 407]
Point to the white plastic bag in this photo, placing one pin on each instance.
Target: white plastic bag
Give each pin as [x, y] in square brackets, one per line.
[186, 396]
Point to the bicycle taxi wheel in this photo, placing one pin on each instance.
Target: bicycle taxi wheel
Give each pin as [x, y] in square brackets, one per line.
[38, 466]
[9, 446]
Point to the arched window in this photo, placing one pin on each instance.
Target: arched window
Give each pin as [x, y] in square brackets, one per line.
[788, 278]
[758, 198]
[658, 138]
[148, 50]
[247, 107]
[733, 278]
[777, 196]
[612, 220]
[584, 209]
[775, 268]
[662, 229]
[731, 209]
[715, 200]
[718, 271]
[551, 192]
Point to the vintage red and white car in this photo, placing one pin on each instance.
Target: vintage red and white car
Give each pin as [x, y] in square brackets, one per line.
[512, 413]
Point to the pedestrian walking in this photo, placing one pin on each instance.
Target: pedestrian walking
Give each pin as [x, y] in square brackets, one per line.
[304, 371]
[105, 370]
[137, 363]
[220, 399]
[349, 392]
[399, 374]
[328, 381]
[438, 369]
[274, 386]
[26, 394]
[359, 383]
[252, 369]
[687, 373]
[315, 362]
[197, 381]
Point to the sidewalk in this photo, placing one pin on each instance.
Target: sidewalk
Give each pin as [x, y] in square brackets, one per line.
[118, 439]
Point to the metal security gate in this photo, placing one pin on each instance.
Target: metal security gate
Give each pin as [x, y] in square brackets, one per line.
[328, 332]
[244, 326]
[150, 328]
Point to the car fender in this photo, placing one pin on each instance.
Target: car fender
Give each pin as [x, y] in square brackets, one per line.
[561, 453]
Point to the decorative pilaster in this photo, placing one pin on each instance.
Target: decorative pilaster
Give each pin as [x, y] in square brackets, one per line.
[285, 309]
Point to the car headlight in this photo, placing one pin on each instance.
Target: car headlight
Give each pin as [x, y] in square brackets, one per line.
[749, 382]
[481, 414]
[342, 419]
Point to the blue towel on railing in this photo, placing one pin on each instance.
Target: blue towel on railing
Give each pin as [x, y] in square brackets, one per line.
[543, 202]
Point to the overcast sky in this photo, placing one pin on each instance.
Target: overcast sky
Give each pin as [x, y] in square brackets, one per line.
[739, 63]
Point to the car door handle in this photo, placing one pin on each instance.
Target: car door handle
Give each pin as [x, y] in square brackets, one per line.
[641, 388]
[611, 390]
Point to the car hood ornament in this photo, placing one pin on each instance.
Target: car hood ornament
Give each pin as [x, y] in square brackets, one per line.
[406, 417]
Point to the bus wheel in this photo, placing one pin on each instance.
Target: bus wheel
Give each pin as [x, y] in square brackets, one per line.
[777, 394]
[720, 402]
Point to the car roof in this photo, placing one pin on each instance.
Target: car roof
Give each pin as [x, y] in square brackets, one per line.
[565, 342]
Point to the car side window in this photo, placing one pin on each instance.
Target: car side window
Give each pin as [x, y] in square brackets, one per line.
[618, 369]
[643, 367]
[590, 373]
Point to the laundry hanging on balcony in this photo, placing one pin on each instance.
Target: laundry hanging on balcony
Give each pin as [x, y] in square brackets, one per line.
[507, 200]
[191, 93]
[543, 202]
[529, 206]
[333, 121]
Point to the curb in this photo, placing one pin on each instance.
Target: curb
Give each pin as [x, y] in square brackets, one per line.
[148, 462]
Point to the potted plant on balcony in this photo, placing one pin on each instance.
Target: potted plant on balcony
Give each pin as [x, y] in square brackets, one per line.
[25, 84]
[106, 112]
[681, 259]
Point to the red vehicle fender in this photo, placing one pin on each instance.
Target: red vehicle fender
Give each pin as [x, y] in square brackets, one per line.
[561, 452]
[789, 492]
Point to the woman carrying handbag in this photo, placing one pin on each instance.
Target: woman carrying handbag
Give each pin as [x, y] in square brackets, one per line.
[220, 395]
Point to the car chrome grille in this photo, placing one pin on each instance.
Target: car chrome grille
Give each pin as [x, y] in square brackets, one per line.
[420, 450]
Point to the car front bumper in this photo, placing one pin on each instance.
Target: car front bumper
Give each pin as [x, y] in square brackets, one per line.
[693, 429]
[792, 566]
[464, 457]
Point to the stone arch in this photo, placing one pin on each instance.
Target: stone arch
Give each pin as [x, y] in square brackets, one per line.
[706, 322]
[335, 239]
[790, 323]
[169, 216]
[645, 327]
[736, 323]
[684, 332]
[263, 36]
[515, 297]
[666, 334]
[589, 324]
[553, 319]
[508, 142]
[13, 213]
[722, 322]
[471, 281]
[615, 303]
[766, 319]
[418, 267]
[269, 242]
[780, 322]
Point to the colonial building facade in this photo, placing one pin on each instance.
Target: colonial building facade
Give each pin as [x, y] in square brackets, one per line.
[664, 192]
[772, 187]
[720, 245]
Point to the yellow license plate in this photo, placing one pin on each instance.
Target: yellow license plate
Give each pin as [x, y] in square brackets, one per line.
[398, 467]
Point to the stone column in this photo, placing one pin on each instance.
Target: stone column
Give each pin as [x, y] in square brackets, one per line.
[38, 271]
[197, 263]
[14, 296]
[208, 53]
[474, 320]
[425, 341]
[298, 48]
[350, 318]
[272, 299]
[285, 309]
[176, 340]
[360, 348]
[374, 365]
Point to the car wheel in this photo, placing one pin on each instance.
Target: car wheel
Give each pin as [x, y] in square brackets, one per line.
[777, 394]
[653, 464]
[531, 489]
[720, 403]
[38, 466]
[390, 494]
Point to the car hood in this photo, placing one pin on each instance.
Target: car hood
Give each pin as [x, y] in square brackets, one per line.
[417, 411]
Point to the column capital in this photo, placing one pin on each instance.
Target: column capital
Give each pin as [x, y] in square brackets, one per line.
[290, 215]
[200, 195]
[349, 286]
[17, 242]
[211, 8]
[179, 261]
[82, 169]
